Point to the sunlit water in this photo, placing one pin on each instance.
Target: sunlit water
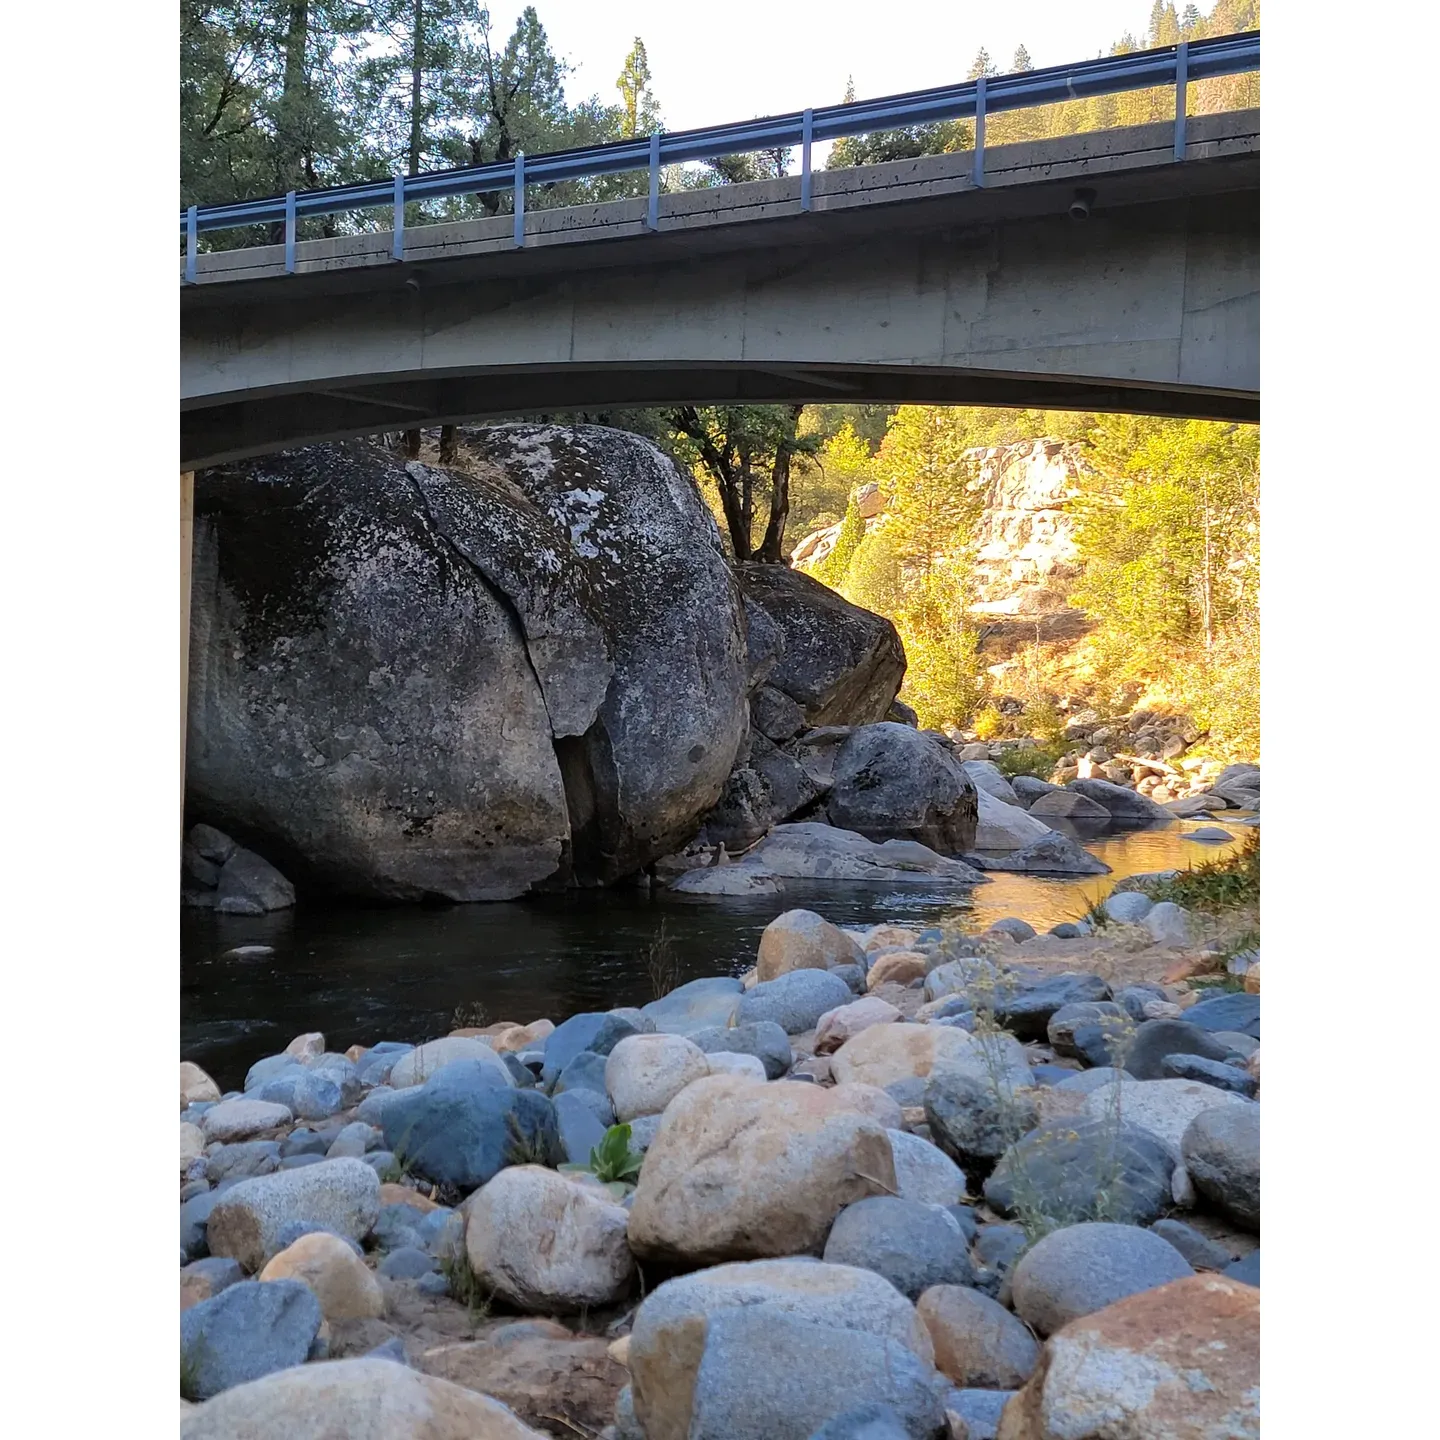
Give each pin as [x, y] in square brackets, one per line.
[362, 975]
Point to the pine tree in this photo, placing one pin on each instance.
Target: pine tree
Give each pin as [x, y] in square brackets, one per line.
[1022, 61]
[634, 87]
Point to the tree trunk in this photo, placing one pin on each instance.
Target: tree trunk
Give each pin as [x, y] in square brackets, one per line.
[412, 444]
[448, 447]
[292, 106]
[771, 547]
[735, 519]
[417, 74]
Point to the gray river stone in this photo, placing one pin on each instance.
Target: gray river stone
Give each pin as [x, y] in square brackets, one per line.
[246, 1331]
[1155, 1039]
[698, 1005]
[912, 1244]
[1025, 1010]
[1083, 1268]
[247, 1219]
[1069, 1168]
[763, 1039]
[769, 1376]
[1221, 1151]
[1227, 1012]
[461, 1128]
[794, 1001]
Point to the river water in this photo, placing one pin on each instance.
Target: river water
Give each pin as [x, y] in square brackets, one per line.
[362, 975]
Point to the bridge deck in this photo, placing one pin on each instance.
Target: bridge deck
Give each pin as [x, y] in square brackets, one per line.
[907, 191]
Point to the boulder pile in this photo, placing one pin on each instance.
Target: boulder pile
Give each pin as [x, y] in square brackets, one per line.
[966, 1198]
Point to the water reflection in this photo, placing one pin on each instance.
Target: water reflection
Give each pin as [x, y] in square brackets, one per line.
[362, 975]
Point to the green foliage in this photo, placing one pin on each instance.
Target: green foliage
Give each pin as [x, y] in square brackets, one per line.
[1036, 1209]
[1169, 536]
[612, 1160]
[874, 578]
[465, 1286]
[642, 116]
[1038, 761]
[742, 456]
[524, 1147]
[989, 723]
[833, 569]
[190, 1372]
[1044, 723]
[943, 676]
[1216, 886]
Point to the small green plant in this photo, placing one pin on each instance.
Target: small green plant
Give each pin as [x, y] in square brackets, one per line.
[470, 1016]
[1036, 1207]
[394, 1171]
[190, 1374]
[524, 1147]
[661, 963]
[1095, 915]
[1044, 722]
[612, 1161]
[464, 1285]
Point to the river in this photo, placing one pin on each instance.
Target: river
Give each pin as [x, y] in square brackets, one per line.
[366, 974]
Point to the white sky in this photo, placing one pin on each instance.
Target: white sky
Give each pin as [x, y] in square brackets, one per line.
[735, 59]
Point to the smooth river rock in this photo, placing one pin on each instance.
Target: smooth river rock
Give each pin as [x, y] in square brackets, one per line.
[1178, 1362]
[744, 1171]
[546, 1244]
[364, 1399]
[246, 1220]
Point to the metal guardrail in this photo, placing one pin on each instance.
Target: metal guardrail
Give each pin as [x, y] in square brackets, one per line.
[1176, 65]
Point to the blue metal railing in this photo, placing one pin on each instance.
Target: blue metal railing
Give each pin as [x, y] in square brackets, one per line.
[1176, 65]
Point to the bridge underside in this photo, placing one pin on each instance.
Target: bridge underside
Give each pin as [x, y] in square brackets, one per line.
[942, 294]
[258, 426]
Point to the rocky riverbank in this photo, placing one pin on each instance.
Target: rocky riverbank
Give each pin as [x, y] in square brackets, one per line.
[888, 1184]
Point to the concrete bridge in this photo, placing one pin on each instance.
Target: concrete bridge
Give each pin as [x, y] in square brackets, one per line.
[906, 282]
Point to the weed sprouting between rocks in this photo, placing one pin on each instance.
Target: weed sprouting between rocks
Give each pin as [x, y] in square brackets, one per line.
[662, 966]
[1037, 1208]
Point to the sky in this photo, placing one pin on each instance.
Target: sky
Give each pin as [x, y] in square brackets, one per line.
[731, 60]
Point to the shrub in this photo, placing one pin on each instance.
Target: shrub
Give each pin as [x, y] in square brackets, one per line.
[1029, 760]
[989, 723]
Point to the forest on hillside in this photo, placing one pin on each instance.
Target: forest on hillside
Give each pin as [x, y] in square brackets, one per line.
[282, 94]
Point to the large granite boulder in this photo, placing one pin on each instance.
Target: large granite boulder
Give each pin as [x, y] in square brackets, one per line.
[894, 782]
[359, 625]
[842, 665]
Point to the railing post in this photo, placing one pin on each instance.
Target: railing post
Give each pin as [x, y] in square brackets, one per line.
[807, 134]
[652, 215]
[520, 200]
[290, 233]
[979, 171]
[1182, 62]
[397, 248]
[191, 225]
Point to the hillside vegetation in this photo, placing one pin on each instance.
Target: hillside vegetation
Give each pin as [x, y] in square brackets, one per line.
[1166, 539]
